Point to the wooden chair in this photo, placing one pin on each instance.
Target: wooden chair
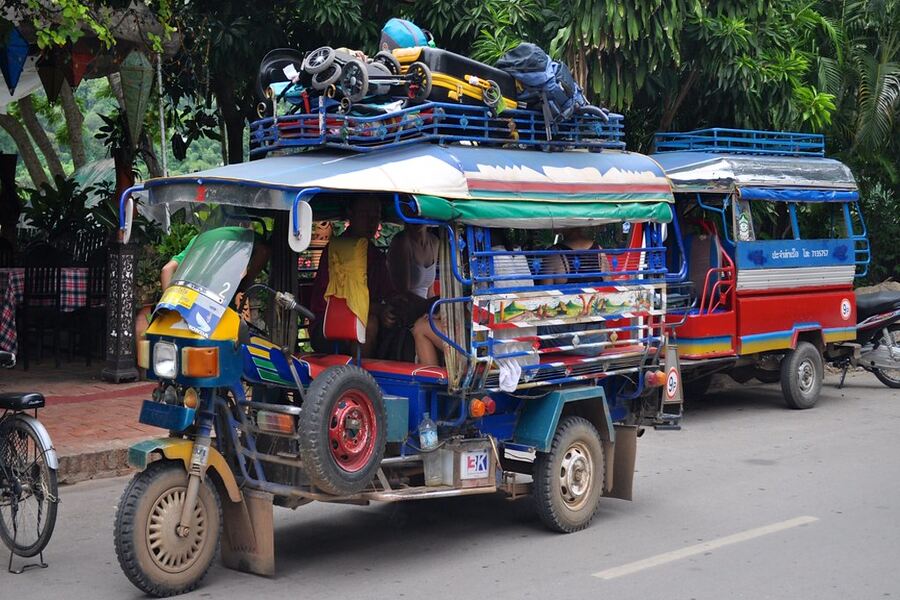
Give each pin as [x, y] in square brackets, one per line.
[42, 254]
[7, 254]
[92, 317]
[39, 311]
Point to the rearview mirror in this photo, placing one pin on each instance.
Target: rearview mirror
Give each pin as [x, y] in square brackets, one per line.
[126, 219]
[300, 227]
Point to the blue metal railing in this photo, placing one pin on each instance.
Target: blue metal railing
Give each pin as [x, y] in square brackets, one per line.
[431, 122]
[742, 141]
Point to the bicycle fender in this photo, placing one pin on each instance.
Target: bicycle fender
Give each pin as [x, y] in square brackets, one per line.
[44, 437]
[176, 449]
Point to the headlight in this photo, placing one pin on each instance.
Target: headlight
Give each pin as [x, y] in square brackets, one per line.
[164, 361]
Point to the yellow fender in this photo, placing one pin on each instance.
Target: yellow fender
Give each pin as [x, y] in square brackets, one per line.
[178, 449]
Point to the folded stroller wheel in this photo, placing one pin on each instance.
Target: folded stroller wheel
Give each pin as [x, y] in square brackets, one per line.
[419, 81]
[387, 59]
[318, 60]
[379, 79]
[354, 80]
[325, 79]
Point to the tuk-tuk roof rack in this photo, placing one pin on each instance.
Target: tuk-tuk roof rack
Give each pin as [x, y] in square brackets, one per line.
[439, 122]
[742, 141]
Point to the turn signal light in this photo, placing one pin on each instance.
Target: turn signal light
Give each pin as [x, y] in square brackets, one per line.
[200, 362]
[191, 398]
[476, 409]
[275, 422]
[143, 354]
[654, 378]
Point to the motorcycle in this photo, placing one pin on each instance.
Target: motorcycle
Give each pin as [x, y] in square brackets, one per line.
[877, 345]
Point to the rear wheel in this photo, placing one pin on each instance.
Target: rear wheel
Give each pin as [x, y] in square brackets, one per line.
[343, 430]
[568, 480]
[28, 493]
[154, 556]
[802, 372]
[890, 377]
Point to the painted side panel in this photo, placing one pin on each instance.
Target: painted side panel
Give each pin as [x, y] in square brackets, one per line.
[707, 335]
[775, 254]
[773, 322]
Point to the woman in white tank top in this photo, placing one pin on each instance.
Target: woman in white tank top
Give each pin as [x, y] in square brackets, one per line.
[413, 262]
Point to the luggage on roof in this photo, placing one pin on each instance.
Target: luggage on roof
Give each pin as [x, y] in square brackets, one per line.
[457, 78]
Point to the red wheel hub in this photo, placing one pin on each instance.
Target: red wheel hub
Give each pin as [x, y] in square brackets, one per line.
[352, 431]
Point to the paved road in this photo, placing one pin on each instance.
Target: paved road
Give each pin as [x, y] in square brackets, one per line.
[790, 504]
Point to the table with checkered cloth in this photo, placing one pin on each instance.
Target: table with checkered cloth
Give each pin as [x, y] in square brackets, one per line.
[8, 340]
[73, 295]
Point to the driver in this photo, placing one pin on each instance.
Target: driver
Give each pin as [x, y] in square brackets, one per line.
[258, 260]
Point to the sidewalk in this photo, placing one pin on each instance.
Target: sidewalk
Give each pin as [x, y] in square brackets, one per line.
[91, 422]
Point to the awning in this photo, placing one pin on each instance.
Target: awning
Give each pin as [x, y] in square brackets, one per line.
[543, 215]
[454, 172]
[797, 195]
[721, 172]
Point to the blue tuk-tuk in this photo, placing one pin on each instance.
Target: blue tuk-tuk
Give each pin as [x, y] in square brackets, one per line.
[552, 361]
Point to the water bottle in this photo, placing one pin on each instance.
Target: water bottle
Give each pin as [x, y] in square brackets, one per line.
[428, 442]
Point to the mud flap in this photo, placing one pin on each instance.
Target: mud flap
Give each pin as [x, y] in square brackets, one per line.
[248, 541]
[623, 464]
[672, 406]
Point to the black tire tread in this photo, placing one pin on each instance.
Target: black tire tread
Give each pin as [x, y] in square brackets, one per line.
[544, 476]
[123, 531]
[789, 386]
[315, 453]
[44, 538]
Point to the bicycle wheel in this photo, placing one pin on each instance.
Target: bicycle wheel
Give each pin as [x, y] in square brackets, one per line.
[28, 492]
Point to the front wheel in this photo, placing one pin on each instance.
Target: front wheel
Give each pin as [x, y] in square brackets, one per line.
[154, 557]
[568, 480]
[28, 494]
[802, 373]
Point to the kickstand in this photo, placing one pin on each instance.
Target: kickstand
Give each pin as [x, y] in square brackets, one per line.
[843, 376]
[23, 568]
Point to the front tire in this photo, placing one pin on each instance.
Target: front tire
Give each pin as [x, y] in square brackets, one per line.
[568, 480]
[802, 372]
[153, 556]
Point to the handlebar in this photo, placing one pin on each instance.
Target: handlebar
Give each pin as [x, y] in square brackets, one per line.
[287, 301]
[7, 359]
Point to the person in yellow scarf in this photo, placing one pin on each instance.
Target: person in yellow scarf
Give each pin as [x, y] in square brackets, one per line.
[352, 249]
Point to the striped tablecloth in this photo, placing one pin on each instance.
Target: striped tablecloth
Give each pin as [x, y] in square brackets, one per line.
[73, 295]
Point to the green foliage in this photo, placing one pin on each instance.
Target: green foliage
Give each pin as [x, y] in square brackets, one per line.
[59, 211]
[881, 208]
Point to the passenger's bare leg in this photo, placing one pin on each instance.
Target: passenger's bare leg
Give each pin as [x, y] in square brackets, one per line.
[427, 342]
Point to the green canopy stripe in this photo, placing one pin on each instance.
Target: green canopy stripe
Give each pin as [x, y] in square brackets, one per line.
[539, 214]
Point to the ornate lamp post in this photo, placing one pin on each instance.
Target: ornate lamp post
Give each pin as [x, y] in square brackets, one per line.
[122, 262]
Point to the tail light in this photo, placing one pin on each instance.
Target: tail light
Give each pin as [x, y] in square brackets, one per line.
[476, 409]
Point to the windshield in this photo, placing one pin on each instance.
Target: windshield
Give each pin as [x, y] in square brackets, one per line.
[216, 261]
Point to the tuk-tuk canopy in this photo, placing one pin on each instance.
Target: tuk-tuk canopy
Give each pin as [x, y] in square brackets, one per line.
[467, 183]
[784, 178]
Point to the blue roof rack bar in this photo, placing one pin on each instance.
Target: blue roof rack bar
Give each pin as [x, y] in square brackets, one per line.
[432, 122]
[742, 141]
